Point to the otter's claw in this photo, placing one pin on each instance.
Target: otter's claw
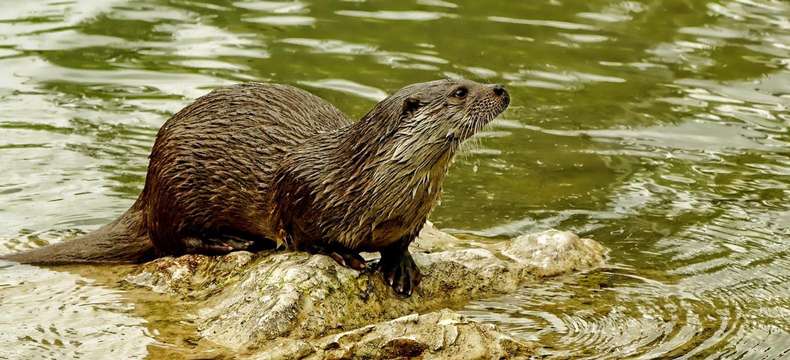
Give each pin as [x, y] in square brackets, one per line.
[400, 272]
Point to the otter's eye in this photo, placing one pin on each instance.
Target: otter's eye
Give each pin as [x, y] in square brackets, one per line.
[460, 92]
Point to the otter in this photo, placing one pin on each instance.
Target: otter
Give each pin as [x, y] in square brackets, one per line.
[254, 166]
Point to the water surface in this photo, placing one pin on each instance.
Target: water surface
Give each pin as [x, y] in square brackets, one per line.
[658, 128]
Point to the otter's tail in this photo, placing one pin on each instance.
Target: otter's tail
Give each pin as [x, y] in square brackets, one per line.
[124, 240]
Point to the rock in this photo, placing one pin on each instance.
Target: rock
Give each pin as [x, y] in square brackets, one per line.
[190, 276]
[442, 334]
[432, 239]
[250, 301]
[553, 252]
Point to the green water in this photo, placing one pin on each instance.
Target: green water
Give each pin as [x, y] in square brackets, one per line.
[659, 128]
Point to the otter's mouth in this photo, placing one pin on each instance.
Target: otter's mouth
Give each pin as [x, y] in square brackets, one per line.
[481, 114]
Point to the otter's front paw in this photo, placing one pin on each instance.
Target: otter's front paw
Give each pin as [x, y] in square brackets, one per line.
[400, 272]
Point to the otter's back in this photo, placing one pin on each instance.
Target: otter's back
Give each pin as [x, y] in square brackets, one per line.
[212, 163]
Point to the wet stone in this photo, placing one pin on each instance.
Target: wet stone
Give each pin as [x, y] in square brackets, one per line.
[284, 305]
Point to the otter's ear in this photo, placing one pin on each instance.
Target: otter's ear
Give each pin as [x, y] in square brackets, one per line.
[410, 105]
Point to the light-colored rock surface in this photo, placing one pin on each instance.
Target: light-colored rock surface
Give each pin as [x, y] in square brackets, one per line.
[552, 253]
[440, 334]
[250, 301]
[191, 276]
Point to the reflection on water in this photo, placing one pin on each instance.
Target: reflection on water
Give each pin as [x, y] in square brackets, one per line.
[659, 128]
[58, 315]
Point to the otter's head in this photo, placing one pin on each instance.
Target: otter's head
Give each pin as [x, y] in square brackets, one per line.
[429, 120]
[451, 110]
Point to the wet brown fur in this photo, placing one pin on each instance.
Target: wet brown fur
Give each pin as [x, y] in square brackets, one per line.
[252, 164]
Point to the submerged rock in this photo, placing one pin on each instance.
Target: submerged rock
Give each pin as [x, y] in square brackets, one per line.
[249, 301]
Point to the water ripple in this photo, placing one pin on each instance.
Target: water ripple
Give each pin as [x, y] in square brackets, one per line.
[57, 315]
[395, 15]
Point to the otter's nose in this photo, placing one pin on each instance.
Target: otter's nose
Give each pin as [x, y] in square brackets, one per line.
[499, 90]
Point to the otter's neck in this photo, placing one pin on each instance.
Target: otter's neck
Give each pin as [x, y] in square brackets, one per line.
[400, 169]
[377, 140]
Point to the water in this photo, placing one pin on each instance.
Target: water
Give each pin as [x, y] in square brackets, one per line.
[659, 128]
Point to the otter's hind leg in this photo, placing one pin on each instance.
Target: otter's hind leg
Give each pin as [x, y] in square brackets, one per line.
[217, 245]
[343, 256]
